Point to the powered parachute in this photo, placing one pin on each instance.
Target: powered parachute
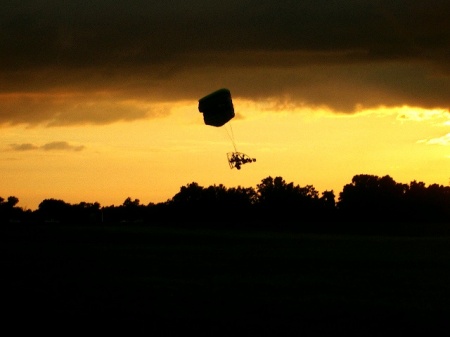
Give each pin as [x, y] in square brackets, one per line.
[218, 110]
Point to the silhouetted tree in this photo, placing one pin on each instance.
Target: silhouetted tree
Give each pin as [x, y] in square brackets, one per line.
[216, 203]
[241, 197]
[86, 213]
[438, 197]
[186, 205]
[285, 201]
[430, 203]
[8, 210]
[132, 210]
[327, 206]
[328, 199]
[370, 197]
[53, 210]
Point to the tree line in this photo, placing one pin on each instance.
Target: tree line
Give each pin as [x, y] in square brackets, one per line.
[367, 199]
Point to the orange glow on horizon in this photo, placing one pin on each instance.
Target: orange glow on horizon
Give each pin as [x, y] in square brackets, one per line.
[151, 160]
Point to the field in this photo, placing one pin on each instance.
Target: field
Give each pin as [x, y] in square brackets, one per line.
[165, 281]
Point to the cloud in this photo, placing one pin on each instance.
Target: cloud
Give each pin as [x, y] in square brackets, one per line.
[444, 140]
[84, 63]
[57, 109]
[61, 146]
[23, 147]
[52, 146]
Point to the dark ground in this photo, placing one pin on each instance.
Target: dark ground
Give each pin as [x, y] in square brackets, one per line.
[172, 282]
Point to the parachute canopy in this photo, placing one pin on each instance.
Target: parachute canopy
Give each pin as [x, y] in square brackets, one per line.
[217, 107]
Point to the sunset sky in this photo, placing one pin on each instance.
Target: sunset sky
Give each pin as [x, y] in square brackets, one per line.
[99, 99]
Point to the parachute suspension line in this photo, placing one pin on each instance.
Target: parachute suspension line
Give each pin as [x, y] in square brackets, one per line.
[231, 135]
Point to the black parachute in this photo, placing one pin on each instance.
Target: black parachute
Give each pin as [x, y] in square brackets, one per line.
[218, 109]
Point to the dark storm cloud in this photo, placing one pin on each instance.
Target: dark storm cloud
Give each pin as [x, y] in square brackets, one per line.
[99, 33]
[387, 52]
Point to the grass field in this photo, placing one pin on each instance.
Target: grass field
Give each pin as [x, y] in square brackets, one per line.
[163, 281]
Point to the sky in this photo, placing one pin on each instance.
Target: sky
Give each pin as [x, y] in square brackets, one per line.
[99, 99]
